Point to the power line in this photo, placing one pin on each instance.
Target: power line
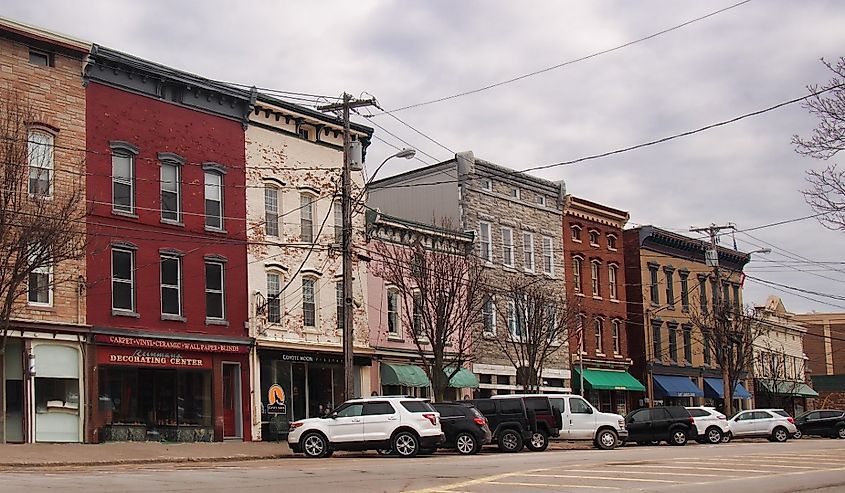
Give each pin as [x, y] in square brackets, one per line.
[563, 64]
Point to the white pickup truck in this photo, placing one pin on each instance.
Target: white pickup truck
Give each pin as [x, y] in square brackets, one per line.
[581, 421]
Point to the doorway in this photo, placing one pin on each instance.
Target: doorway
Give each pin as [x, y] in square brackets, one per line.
[232, 421]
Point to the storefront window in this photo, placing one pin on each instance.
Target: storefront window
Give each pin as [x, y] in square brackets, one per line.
[56, 393]
[13, 375]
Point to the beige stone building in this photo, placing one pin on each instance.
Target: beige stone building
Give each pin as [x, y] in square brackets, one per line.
[517, 220]
[43, 389]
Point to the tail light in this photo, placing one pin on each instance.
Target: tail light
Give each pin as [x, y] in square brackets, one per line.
[431, 417]
[691, 420]
[791, 420]
[295, 425]
[480, 421]
[721, 416]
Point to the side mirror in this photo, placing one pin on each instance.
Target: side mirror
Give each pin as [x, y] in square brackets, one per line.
[333, 415]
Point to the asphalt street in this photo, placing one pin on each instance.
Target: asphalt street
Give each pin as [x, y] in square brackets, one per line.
[808, 465]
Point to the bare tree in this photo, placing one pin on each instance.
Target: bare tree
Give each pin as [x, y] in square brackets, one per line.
[826, 194]
[729, 332]
[442, 287]
[783, 380]
[538, 318]
[41, 215]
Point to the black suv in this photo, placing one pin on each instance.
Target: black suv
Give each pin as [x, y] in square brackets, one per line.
[509, 420]
[823, 422]
[672, 424]
[465, 427]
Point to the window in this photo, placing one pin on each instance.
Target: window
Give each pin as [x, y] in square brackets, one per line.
[541, 200]
[123, 279]
[515, 320]
[271, 210]
[657, 343]
[580, 324]
[486, 252]
[214, 295]
[393, 320]
[617, 341]
[612, 271]
[488, 313]
[670, 286]
[338, 290]
[714, 288]
[338, 222]
[706, 340]
[528, 250]
[507, 247]
[303, 132]
[515, 193]
[171, 285]
[306, 217]
[688, 344]
[274, 301]
[673, 341]
[598, 325]
[511, 406]
[350, 411]
[171, 205]
[40, 58]
[736, 295]
[40, 280]
[611, 242]
[418, 314]
[594, 238]
[548, 256]
[377, 408]
[213, 200]
[594, 277]
[653, 288]
[417, 406]
[726, 294]
[123, 182]
[702, 293]
[486, 184]
[579, 406]
[309, 303]
[684, 290]
[576, 274]
[576, 233]
[40, 153]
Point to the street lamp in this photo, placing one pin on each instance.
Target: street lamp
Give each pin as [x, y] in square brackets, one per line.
[403, 153]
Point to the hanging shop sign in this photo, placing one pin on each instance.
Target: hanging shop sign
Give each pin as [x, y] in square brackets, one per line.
[276, 400]
[153, 358]
[171, 344]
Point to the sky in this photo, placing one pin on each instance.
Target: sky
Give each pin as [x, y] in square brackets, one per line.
[745, 59]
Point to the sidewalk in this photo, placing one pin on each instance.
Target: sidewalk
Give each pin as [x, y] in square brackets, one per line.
[75, 454]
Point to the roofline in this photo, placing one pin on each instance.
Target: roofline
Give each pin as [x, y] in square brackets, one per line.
[375, 216]
[649, 231]
[64, 41]
[411, 174]
[317, 115]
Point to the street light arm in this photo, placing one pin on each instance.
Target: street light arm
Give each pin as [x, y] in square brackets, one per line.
[403, 153]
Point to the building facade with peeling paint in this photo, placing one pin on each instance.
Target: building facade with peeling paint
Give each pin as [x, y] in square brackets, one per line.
[294, 160]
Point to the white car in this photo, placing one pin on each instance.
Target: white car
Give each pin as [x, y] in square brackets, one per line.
[404, 425]
[775, 424]
[711, 425]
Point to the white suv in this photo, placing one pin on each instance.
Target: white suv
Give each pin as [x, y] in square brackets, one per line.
[404, 425]
[775, 424]
[711, 425]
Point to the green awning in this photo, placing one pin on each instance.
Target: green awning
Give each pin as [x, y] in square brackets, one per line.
[786, 387]
[404, 375]
[464, 379]
[607, 380]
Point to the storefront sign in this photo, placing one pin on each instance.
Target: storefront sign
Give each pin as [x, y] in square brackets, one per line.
[324, 358]
[152, 358]
[276, 400]
[171, 345]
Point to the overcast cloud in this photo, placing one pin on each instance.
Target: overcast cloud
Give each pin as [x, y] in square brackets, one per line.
[404, 52]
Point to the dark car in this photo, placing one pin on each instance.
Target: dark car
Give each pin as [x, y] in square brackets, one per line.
[509, 421]
[672, 424]
[823, 422]
[548, 418]
[465, 427]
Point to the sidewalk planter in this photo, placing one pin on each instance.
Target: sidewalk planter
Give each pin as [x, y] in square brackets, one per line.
[125, 433]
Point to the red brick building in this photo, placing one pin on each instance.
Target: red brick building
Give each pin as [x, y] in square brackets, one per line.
[595, 279]
[824, 345]
[167, 281]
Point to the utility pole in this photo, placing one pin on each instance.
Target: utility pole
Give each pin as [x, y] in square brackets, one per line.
[346, 206]
[712, 259]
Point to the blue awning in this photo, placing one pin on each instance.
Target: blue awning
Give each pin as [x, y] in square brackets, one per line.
[715, 389]
[672, 386]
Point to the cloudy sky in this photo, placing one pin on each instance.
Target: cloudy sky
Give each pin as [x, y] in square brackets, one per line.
[404, 52]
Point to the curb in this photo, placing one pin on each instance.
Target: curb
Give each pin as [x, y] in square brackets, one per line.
[153, 460]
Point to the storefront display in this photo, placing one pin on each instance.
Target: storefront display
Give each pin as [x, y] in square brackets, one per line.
[57, 393]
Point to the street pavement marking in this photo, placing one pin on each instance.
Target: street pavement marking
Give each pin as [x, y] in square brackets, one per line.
[757, 462]
[661, 466]
[796, 473]
[601, 478]
[544, 485]
[700, 474]
[476, 481]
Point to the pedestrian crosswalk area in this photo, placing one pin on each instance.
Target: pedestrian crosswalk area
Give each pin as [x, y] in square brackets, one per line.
[660, 475]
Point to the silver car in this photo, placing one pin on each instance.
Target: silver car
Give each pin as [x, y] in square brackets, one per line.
[775, 424]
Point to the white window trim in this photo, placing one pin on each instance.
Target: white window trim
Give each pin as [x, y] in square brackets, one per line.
[279, 297]
[131, 182]
[222, 290]
[177, 287]
[489, 252]
[130, 281]
[50, 158]
[505, 247]
[393, 291]
[178, 211]
[572, 234]
[222, 215]
[268, 212]
[595, 278]
[487, 184]
[550, 254]
[598, 335]
[492, 331]
[590, 234]
[316, 300]
[338, 221]
[615, 239]
[48, 270]
[302, 210]
[518, 194]
[616, 335]
[527, 251]
[578, 274]
[613, 281]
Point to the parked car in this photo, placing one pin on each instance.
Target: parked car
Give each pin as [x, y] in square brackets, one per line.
[822, 422]
[401, 424]
[509, 421]
[547, 416]
[672, 424]
[579, 420]
[711, 425]
[775, 424]
[465, 427]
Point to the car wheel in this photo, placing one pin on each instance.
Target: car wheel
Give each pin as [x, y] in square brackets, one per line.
[714, 435]
[538, 442]
[510, 441]
[314, 446]
[840, 432]
[466, 444]
[679, 437]
[780, 434]
[405, 444]
[797, 435]
[726, 437]
[607, 440]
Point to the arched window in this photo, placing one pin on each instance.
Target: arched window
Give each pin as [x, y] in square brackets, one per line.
[576, 274]
[576, 233]
[274, 297]
[40, 153]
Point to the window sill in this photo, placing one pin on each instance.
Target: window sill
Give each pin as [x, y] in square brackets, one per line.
[216, 321]
[169, 222]
[311, 330]
[549, 275]
[601, 355]
[578, 293]
[488, 335]
[595, 245]
[391, 338]
[488, 264]
[174, 318]
[613, 249]
[530, 272]
[575, 241]
[125, 313]
[597, 298]
[615, 301]
[509, 268]
[216, 230]
[618, 356]
[41, 307]
[130, 215]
